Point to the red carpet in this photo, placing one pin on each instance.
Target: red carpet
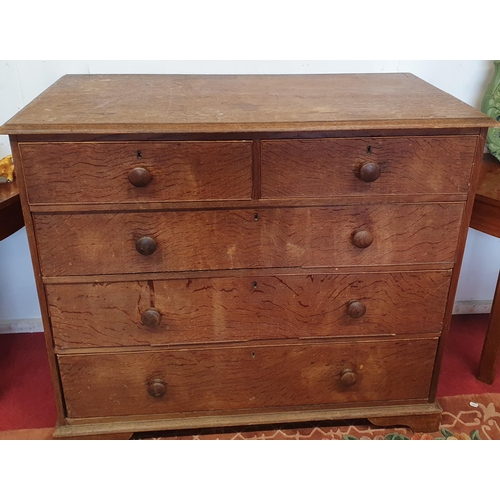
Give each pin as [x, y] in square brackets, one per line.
[461, 357]
[26, 393]
[27, 397]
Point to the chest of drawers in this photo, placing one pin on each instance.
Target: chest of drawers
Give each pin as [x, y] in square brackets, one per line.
[235, 250]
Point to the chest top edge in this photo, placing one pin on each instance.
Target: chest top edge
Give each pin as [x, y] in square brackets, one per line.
[241, 103]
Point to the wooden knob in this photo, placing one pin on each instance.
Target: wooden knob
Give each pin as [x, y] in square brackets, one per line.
[356, 309]
[151, 317]
[362, 238]
[139, 177]
[369, 172]
[145, 245]
[157, 388]
[348, 377]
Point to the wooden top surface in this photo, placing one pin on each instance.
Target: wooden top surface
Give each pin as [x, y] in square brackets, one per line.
[9, 193]
[241, 103]
[488, 188]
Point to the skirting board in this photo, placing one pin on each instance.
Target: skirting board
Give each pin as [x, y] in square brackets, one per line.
[31, 325]
[472, 307]
[25, 325]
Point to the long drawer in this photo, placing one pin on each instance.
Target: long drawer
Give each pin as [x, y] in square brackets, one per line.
[245, 378]
[133, 171]
[366, 166]
[110, 243]
[203, 310]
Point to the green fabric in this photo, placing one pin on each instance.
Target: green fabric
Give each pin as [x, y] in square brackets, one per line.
[491, 106]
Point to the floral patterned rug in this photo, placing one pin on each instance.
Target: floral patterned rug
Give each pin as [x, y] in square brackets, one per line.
[469, 417]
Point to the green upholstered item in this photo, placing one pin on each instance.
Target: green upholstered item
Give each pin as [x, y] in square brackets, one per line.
[491, 106]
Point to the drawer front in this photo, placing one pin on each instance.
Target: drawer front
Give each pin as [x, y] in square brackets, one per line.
[188, 311]
[401, 165]
[106, 243]
[245, 378]
[113, 172]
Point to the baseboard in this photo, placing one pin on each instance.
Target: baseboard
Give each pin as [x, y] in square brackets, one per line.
[25, 325]
[472, 307]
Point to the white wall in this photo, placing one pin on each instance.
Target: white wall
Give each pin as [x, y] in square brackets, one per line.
[22, 81]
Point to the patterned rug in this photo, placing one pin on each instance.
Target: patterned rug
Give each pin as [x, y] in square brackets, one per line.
[469, 417]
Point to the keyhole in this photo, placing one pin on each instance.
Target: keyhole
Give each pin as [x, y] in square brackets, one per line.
[139, 154]
[256, 216]
[254, 285]
[253, 355]
[369, 149]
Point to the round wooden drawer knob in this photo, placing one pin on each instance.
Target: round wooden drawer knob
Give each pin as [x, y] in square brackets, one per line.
[369, 172]
[157, 388]
[145, 245]
[356, 309]
[348, 377]
[362, 238]
[139, 177]
[151, 317]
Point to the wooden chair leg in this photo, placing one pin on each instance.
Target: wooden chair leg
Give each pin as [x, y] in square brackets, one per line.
[491, 347]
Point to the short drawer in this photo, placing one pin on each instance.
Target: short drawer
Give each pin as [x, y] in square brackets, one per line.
[102, 172]
[245, 378]
[204, 310]
[111, 243]
[366, 166]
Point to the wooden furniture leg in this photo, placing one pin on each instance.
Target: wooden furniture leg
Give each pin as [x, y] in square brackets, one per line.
[486, 218]
[491, 346]
[428, 422]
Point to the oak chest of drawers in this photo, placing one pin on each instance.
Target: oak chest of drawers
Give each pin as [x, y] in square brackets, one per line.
[226, 250]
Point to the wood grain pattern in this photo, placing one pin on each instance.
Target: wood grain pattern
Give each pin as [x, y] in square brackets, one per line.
[91, 426]
[11, 215]
[489, 179]
[79, 244]
[30, 232]
[376, 199]
[247, 299]
[239, 309]
[245, 136]
[486, 218]
[418, 423]
[491, 347]
[460, 247]
[98, 172]
[238, 273]
[256, 169]
[9, 194]
[245, 377]
[486, 211]
[237, 103]
[409, 165]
